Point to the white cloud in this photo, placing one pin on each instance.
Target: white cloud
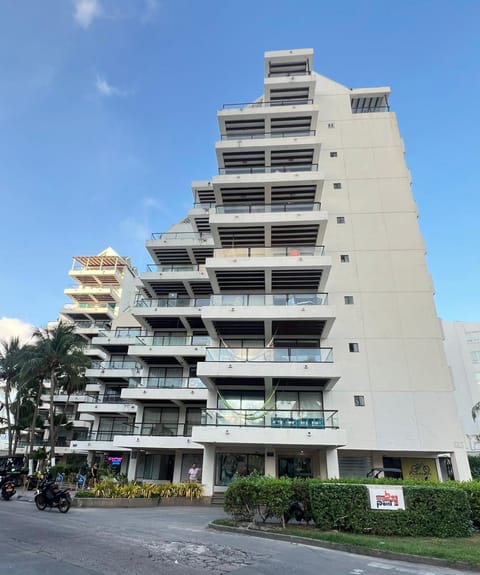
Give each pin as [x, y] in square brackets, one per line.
[106, 89]
[12, 327]
[86, 11]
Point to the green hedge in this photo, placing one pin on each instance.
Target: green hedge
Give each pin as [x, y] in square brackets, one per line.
[432, 508]
[430, 511]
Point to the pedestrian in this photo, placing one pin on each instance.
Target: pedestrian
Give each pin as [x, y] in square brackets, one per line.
[193, 473]
[94, 473]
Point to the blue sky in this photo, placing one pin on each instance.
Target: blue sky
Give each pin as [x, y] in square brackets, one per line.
[108, 112]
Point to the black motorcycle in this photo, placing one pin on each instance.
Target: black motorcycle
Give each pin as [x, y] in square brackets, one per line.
[7, 486]
[49, 495]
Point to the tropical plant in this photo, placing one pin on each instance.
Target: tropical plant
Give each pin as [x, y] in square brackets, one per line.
[58, 356]
[10, 374]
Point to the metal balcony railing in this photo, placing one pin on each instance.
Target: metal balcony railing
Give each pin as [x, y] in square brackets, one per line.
[166, 383]
[270, 354]
[368, 110]
[268, 208]
[93, 324]
[261, 135]
[298, 102]
[164, 340]
[269, 252]
[181, 236]
[295, 418]
[268, 169]
[172, 302]
[299, 299]
[105, 435]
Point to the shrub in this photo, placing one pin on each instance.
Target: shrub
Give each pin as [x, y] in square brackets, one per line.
[472, 489]
[111, 488]
[474, 462]
[242, 498]
[431, 510]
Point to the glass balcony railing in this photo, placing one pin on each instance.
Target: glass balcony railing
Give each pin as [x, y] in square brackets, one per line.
[268, 252]
[105, 435]
[268, 169]
[167, 236]
[164, 429]
[296, 419]
[175, 268]
[270, 299]
[268, 208]
[270, 354]
[106, 398]
[259, 135]
[172, 302]
[297, 102]
[124, 332]
[164, 340]
[116, 364]
[166, 383]
[82, 324]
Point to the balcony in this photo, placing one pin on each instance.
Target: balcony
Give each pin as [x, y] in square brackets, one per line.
[268, 208]
[158, 435]
[279, 251]
[118, 369]
[165, 389]
[107, 403]
[291, 363]
[268, 169]
[176, 302]
[182, 236]
[279, 427]
[262, 135]
[243, 105]
[179, 347]
[276, 299]
[97, 440]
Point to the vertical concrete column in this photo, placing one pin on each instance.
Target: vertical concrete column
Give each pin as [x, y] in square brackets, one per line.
[331, 459]
[177, 470]
[208, 470]
[270, 460]
[132, 465]
[461, 468]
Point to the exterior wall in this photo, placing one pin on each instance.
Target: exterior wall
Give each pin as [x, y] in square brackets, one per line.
[462, 344]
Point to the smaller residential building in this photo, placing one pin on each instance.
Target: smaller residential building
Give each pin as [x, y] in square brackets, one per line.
[462, 347]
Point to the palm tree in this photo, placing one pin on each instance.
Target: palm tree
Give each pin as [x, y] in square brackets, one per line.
[9, 373]
[58, 354]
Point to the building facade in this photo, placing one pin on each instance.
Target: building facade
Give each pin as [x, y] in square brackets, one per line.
[287, 323]
[462, 346]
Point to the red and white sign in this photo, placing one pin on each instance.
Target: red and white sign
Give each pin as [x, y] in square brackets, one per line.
[386, 497]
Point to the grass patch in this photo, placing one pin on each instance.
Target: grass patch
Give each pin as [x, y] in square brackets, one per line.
[464, 549]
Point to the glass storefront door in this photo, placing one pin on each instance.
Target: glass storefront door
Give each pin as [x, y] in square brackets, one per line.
[295, 466]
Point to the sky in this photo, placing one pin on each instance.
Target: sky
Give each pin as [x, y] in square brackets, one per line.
[108, 113]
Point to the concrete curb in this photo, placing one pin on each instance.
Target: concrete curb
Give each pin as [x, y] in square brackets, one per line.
[357, 550]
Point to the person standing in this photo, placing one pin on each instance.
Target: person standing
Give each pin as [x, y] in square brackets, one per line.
[193, 473]
[94, 473]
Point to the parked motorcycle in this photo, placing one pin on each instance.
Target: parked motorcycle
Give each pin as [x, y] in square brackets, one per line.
[49, 495]
[7, 486]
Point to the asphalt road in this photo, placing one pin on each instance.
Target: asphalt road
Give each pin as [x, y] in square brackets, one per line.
[162, 541]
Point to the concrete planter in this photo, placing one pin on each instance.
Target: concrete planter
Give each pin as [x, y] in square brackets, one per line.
[137, 502]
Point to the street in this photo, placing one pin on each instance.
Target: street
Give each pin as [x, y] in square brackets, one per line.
[162, 541]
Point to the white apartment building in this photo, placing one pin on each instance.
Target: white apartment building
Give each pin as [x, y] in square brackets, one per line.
[287, 323]
[462, 346]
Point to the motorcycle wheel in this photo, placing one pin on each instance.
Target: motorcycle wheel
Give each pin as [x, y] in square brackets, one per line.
[40, 502]
[64, 504]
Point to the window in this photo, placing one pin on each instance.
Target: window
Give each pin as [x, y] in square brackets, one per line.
[340, 219]
[333, 154]
[348, 299]
[344, 258]
[359, 400]
[337, 186]
[353, 347]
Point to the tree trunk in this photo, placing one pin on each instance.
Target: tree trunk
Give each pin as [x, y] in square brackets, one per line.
[53, 385]
[7, 413]
[33, 425]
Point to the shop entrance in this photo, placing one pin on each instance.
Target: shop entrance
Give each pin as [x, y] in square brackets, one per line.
[295, 466]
